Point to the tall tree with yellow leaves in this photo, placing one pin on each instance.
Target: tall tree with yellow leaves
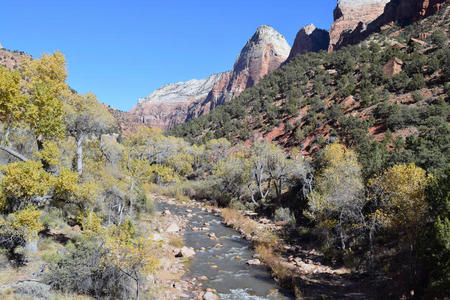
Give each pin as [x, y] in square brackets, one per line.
[337, 199]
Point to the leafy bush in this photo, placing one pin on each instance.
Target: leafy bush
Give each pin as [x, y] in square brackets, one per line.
[83, 270]
[439, 38]
[33, 290]
[284, 215]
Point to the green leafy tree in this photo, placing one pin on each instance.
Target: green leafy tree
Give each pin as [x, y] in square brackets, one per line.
[85, 118]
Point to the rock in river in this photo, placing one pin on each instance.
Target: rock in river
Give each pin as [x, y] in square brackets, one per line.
[254, 262]
[210, 296]
[185, 252]
[173, 228]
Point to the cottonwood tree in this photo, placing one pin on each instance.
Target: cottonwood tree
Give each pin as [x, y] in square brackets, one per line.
[337, 199]
[399, 194]
[34, 102]
[44, 81]
[84, 118]
[12, 102]
[230, 177]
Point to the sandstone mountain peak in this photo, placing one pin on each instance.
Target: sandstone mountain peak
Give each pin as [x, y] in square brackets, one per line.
[176, 103]
[360, 2]
[265, 35]
[356, 20]
[265, 51]
[309, 39]
[169, 105]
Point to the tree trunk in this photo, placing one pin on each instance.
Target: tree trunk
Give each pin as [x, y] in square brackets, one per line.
[45, 165]
[80, 155]
[7, 131]
[13, 153]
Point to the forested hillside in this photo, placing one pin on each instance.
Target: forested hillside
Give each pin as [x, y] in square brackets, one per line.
[387, 98]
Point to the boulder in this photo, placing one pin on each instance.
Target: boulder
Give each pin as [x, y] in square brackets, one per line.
[254, 262]
[185, 252]
[392, 67]
[173, 228]
[210, 296]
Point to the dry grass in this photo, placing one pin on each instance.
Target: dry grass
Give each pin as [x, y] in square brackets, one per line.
[248, 226]
[266, 244]
[176, 242]
[284, 274]
[237, 219]
[172, 191]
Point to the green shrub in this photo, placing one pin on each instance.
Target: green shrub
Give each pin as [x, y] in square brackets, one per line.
[439, 38]
[417, 96]
[33, 290]
[83, 270]
[284, 215]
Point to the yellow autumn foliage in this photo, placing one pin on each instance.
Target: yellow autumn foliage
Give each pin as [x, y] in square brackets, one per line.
[11, 100]
[23, 180]
[130, 251]
[91, 224]
[26, 221]
[403, 196]
[51, 154]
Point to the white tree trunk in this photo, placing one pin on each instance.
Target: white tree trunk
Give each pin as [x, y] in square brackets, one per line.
[80, 155]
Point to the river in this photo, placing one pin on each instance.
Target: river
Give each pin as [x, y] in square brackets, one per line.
[224, 260]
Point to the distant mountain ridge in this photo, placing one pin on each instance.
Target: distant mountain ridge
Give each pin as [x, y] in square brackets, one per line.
[265, 51]
[177, 103]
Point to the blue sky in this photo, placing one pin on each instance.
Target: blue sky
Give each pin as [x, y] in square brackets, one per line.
[123, 50]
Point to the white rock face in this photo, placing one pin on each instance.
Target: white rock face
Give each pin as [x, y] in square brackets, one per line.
[309, 28]
[258, 44]
[354, 3]
[193, 89]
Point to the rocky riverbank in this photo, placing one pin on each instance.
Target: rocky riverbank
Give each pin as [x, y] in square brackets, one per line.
[216, 262]
[302, 270]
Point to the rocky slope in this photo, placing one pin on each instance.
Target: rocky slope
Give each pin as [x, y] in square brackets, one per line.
[391, 88]
[176, 103]
[11, 59]
[309, 39]
[266, 50]
[356, 20]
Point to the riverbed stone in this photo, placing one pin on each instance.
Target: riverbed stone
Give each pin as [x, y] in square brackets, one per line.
[173, 228]
[185, 252]
[202, 278]
[210, 296]
[254, 262]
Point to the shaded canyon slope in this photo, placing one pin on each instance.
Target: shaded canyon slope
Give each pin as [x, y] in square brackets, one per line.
[356, 20]
[176, 103]
[309, 39]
